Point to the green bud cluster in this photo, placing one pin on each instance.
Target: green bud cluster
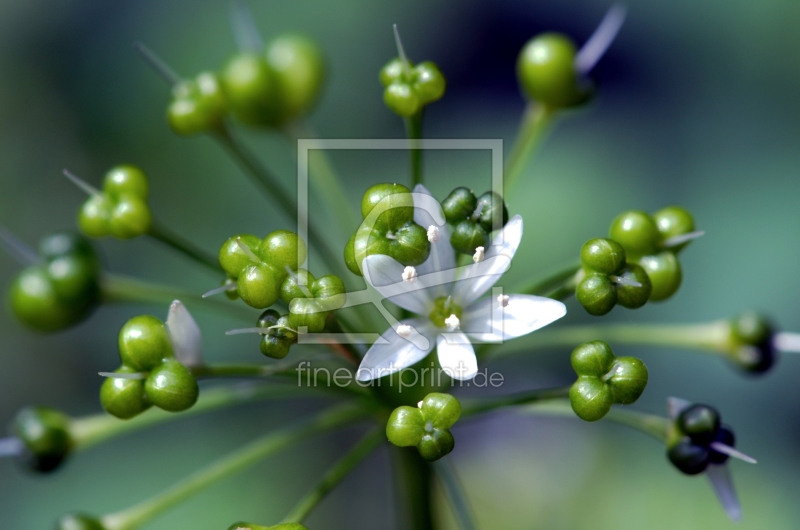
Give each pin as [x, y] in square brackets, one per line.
[45, 435]
[261, 266]
[270, 88]
[79, 521]
[409, 88]
[603, 380]
[751, 339]
[198, 105]
[60, 291]
[473, 218]
[692, 433]
[427, 426]
[643, 237]
[546, 72]
[145, 348]
[251, 526]
[388, 228]
[120, 210]
[609, 280]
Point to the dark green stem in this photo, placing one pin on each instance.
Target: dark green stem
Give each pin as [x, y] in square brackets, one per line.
[413, 483]
[233, 463]
[182, 245]
[542, 286]
[535, 122]
[414, 134]
[335, 475]
[522, 398]
[455, 493]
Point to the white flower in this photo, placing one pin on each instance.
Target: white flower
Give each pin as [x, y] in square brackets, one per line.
[438, 281]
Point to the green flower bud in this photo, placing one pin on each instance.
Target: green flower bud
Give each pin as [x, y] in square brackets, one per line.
[492, 211]
[123, 398]
[674, 221]
[467, 236]
[597, 294]
[251, 89]
[429, 82]
[306, 312]
[232, 258]
[751, 340]
[402, 99]
[408, 88]
[144, 343]
[121, 209]
[442, 410]
[593, 358]
[633, 296]
[93, 216]
[126, 180]
[198, 105]
[591, 399]
[434, 445]
[426, 427]
[546, 71]
[665, 274]
[79, 521]
[473, 219]
[282, 249]
[406, 426]
[637, 232]
[45, 434]
[628, 380]
[603, 255]
[459, 205]
[259, 285]
[36, 304]
[278, 341]
[299, 70]
[350, 255]
[171, 387]
[395, 212]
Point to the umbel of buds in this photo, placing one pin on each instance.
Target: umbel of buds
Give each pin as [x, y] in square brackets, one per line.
[427, 426]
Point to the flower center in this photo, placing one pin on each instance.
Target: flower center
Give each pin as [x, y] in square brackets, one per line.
[443, 310]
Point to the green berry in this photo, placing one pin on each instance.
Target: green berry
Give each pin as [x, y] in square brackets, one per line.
[664, 271]
[442, 410]
[330, 292]
[700, 423]
[593, 358]
[198, 105]
[492, 211]
[251, 89]
[291, 289]
[94, 215]
[410, 245]
[605, 256]
[121, 209]
[259, 285]
[278, 341]
[752, 347]
[674, 221]
[67, 243]
[396, 206]
[79, 521]
[428, 82]
[393, 71]
[407, 89]
[597, 294]
[628, 380]
[306, 312]
[171, 387]
[350, 255]
[426, 427]
[36, 304]
[546, 71]
[299, 71]
[406, 426]
[632, 296]
[130, 218]
[144, 343]
[591, 398]
[467, 236]
[282, 249]
[436, 444]
[460, 205]
[689, 457]
[123, 398]
[232, 258]
[126, 180]
[45, 434]
[637, 233]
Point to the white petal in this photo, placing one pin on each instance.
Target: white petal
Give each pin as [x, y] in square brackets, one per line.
[675, 406]
[393, 352]
[11, 446]
[489, 321]
[457, 356]
[479, 278]
[506, 241]
[185, 335]
[721, 481]
[442, 259]
[386, 276]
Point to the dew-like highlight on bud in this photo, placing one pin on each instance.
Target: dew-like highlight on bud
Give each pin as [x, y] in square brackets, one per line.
[597, 45]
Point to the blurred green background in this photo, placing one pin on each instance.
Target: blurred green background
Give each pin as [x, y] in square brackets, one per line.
[698, 106]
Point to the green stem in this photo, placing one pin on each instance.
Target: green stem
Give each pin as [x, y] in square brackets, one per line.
[413, 483]
[186, 247]
[273, 190]
[414, 134]
[455, 494]
[541, 286]
[335, 475]
[92, 430]
[535, 122]
[522, 398]
[229, 465]
[712, 337]
[117, 288]
[650, 424]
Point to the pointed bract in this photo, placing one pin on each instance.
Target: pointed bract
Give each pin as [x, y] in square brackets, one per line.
[184, 333]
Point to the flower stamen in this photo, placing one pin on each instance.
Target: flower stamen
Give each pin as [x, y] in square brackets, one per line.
[433, 234]
[409, 274]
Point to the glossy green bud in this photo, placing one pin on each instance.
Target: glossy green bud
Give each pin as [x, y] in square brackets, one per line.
[597, 294]
[628, 379]
[198, 105]
[492, 212]
[402, 99]
[259, 285]
[700, 423]
[144, 343]
[299, 70]
[282, 249]
[350, 256]
[752, 347]
[688, 457]
[637, 232]
[593, 358]
[406, 426]
[459, 206]
[79, 521]
[468, 236]
[121, 209]
[306, 312]
[93, 216]
[429, 82]
[442, 410]
[674, 221]
[232, 258]
[45, 434]
[427, 426]
[329, 291]
[434, 445]
[633, 296]
[591, 399]
[278, 341]
[251, 89]
[171, 387]
[409, 88]
[410, 245]
[35, 303]
[299, 285]
[664, 271]
[603, 255]
[126, 180]
[123, 398]
[546, 71]
[395, 211]
[129, 218]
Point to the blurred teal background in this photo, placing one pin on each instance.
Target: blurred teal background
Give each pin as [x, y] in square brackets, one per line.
[698, 105]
